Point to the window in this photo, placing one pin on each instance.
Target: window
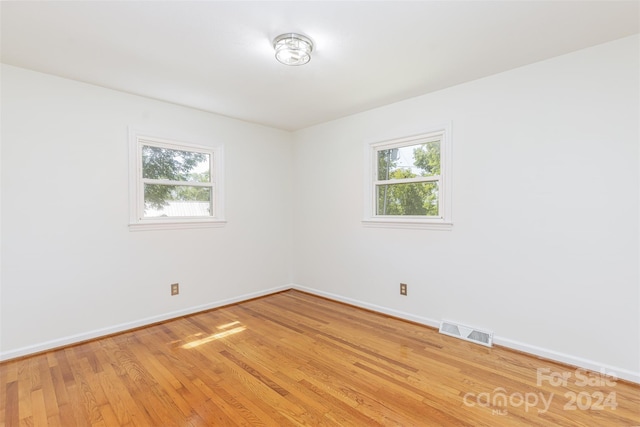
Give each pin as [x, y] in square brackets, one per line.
[408, 182]
[174, 184]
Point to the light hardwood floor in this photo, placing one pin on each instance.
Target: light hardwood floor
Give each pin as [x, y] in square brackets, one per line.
[295, 359]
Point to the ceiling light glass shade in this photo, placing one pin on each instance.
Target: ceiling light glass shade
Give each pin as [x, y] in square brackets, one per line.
[293, 49]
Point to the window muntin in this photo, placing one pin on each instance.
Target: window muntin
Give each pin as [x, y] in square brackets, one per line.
[174, 184]
[408, 181]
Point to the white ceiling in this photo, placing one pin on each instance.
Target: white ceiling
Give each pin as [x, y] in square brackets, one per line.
[217, 55]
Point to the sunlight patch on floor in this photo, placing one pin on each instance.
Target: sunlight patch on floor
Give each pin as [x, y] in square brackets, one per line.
[216, 336]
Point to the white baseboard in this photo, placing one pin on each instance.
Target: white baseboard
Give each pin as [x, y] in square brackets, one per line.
[97, 333]
[576, 361]
[568, 359]
[377, 308]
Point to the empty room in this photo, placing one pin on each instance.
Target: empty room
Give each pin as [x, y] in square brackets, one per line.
[320, 213]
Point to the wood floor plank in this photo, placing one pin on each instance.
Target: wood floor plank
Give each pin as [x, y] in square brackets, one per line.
[293, 359]
[10, 412]
[25, 403]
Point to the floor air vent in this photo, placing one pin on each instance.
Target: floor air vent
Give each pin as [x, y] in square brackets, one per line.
[466, 333]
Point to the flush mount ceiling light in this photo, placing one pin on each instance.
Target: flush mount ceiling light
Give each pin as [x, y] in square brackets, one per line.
[293, 49]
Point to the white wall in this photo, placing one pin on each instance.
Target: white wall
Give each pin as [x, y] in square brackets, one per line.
[71, 269]
[544, 247]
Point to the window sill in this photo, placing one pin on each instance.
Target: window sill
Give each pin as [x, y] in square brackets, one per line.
[410, 223]
[176, 225]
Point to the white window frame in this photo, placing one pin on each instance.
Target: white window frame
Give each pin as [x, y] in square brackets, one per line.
[443, 221]
[137, 221]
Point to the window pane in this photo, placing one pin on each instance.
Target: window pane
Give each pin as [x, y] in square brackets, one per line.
[175, 165]
[176, 200]
[417, 198]
[409, 162]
